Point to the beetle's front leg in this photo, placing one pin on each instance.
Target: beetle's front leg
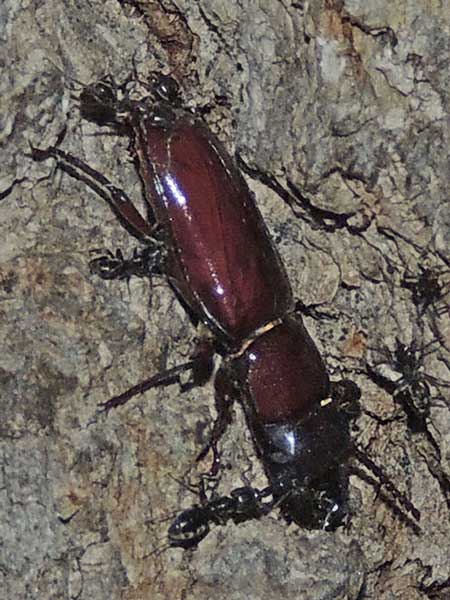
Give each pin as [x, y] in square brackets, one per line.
[225, 395]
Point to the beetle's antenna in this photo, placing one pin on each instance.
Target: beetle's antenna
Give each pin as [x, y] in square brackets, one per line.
[387, 483]
[396, 510]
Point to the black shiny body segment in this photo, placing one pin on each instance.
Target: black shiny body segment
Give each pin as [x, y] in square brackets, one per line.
[305, 463]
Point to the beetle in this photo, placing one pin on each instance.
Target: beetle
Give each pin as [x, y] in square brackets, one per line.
[205, 233]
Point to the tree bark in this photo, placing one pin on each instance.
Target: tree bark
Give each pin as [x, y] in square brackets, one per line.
[338, 112]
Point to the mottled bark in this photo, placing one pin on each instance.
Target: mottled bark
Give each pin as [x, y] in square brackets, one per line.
[339, 113]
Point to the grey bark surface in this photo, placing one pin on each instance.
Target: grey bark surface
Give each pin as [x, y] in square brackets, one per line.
[340, 110]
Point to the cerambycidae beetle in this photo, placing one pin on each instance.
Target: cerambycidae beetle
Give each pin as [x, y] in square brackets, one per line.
[206, 235]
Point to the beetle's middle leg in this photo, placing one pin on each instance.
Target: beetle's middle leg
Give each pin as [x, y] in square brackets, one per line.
[200, 366]
[167, 377]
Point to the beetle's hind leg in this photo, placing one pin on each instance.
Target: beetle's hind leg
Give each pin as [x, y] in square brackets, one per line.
[130, 218]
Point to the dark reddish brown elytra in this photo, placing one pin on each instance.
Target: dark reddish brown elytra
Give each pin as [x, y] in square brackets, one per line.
[208, 238]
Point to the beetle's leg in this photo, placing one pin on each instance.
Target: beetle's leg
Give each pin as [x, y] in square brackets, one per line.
[201, 360]
[347, 394]
[203, 364]
[122, 206]
[225, 395]
[159, 380]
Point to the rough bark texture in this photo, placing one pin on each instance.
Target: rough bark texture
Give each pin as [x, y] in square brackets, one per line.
[339, 110]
